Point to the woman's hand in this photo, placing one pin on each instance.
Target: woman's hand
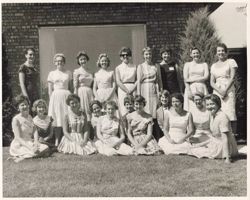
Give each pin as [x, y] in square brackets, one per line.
[82, 144]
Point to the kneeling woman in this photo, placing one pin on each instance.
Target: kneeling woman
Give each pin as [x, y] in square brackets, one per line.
[25, 143]
[111, 133]
[76, 130]
[178, 127]
[140, 128]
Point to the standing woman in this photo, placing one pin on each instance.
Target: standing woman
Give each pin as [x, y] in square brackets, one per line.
[58, 86]
[195, 73]
[148, 86]
[29, 77]
[125, 77]
[222, 79]
[104, 81]
[169, 74]
[83, 82]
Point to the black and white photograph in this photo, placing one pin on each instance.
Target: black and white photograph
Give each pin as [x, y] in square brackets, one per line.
[124, 99]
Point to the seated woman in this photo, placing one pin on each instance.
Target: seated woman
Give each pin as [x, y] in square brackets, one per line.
[129, 105]
[43, 122]
[111, 134]
[140, 128]
[178, 127]
[76, 130]
[223, 143]
[25, 143]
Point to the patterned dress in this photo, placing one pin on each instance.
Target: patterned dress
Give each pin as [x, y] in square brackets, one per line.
[221, 72]
[57, 104]
[17, 149]
[76, 130]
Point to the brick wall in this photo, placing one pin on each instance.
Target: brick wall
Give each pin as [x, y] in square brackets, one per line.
[20, 23]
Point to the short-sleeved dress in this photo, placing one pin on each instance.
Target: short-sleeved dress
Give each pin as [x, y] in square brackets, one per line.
[195, 70]
[128, 78]
[177, 130]
[148, 74]
[83, 80]
[76, 128]
[26, 133]
[104, 80]
[221, 72]
[57, 104]
[139, 128]
[31, 81]
[109, 131]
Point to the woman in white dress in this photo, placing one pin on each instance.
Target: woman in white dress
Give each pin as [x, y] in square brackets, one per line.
[195, 73]
[58, 86]
[104, 81]
[76, 130]
[178, 127]
[25, 143]
[125, 75]
[83, 82]
[222, 82]
[111, 133]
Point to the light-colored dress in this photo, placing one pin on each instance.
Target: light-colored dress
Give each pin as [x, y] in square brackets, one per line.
[76, 128]
[26, 133]
[177, 130]
[194, 70]
[128, 78]
[148, 80]
[57, 104]
[109, 130]
[105, 80]
[83, 81]
[221, 72]
[139, 127]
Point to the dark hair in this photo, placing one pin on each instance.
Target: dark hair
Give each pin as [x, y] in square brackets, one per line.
[215, 98]
[37, 103]
[140, 99]
[222, 45]
[72, 97]
[128, 99]
[165, 49]
[28, 49]
[111, 103]
[194, 48]
[81, 53]
[125, 50]
[20, 99]
[92, 103]
[199, 94]
[100, 57]
[178, 96]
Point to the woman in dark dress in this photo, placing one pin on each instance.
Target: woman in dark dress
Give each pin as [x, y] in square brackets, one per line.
[29, 77]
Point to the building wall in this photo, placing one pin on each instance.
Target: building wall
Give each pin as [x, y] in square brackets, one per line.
[20, 23]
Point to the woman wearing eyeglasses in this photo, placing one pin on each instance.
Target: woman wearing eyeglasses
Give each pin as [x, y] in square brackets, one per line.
[125, 77]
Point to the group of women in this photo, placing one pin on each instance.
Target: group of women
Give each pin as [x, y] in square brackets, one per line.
[146, 115]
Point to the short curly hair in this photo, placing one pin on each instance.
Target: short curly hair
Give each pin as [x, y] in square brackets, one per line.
[165, 49]
[20, 99]
[59, 55]
[111, 103]
[81, 53]
[214, 98]
[125, 50]
[37, 103]
[140, 99]
[128, 99]
[72, 97]
[98, 63]
[178, 96]
[93, 103]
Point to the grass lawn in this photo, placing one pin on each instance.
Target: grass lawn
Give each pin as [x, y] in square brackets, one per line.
[94, 176]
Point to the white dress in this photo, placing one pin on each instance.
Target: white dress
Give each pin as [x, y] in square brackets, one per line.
[105, 80]
[57, 104]
[177, 130]
[128, 78]
[221, 72]
[195, 70]
[83, 81]
[109, 131]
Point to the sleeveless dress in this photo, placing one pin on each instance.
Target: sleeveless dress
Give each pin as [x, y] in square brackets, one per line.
[76, 127]
[148, 74]
[221, 71]
[139, 132]
[83, 80]
[104, 80]
[128, 78]
[26, 133]
[31, 82]
[177, 130]
[195, 70]
[57, 104]
[109, 131]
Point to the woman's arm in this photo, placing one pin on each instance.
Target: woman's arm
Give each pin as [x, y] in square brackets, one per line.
[50, 88]
[113, 86]
[119, 83]
[98, 130]
[22, 81]
[139, 80]
[129, 134]
[75, 81]
[231, 79]
[95, 88]
[148, 137]
[65, 129]
[121, 138]
[166, 129]
[157, 83]
[214, 86]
